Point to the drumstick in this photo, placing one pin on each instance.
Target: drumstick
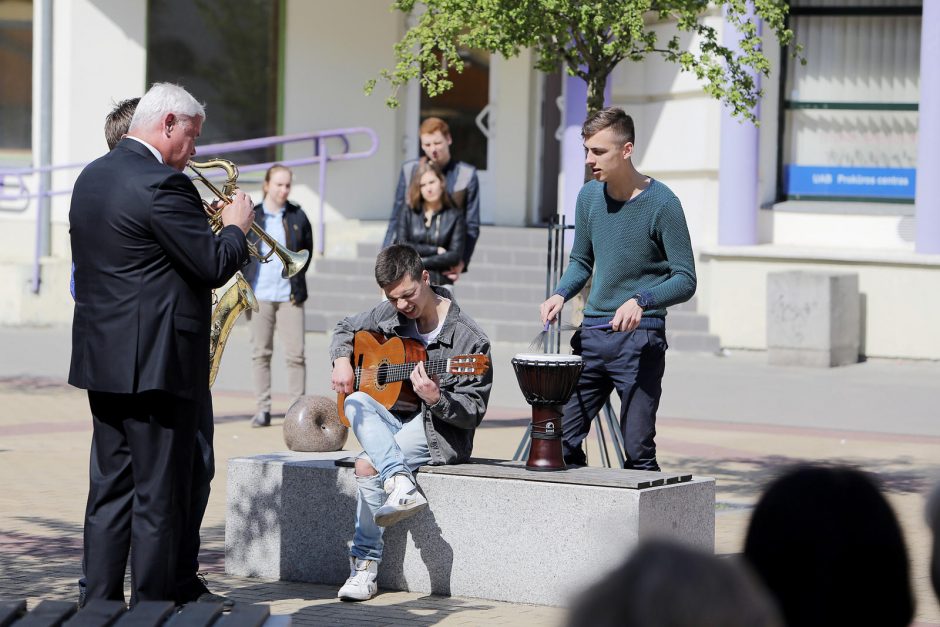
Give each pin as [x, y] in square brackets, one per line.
[562, 326]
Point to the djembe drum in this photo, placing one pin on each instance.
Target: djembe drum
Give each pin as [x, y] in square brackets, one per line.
[547, 382]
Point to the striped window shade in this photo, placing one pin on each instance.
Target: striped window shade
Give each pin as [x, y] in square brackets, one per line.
[851, 111]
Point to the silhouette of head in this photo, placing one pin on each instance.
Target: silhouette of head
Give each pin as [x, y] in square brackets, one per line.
[828, 546]
[666, 584]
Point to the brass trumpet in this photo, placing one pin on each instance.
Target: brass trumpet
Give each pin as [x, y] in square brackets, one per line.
[293, 262]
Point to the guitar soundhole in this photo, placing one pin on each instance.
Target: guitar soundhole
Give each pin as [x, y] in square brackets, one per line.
[382, 375]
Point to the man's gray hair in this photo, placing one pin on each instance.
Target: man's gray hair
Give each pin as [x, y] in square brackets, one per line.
[161, 99]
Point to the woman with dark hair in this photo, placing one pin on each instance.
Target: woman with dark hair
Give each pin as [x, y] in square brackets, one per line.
[434, 226]
[828, 546]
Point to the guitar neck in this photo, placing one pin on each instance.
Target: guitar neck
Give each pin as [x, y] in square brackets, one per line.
[400, 372]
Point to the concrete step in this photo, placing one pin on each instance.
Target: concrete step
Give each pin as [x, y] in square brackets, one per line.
[479, 271]
[491, 310]
[502, 237]
[689, 305]
[322, 284]
[483, 254]
[473, 289]
[322, 321]
[686, 321]
[502, 291]
[336, 285]
[518, 237]
[524, 331]
[693, 342]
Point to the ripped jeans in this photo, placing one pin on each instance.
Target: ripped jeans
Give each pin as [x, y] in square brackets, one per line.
[392, 447]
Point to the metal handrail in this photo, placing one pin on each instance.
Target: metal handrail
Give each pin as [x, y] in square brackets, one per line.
[320, 155]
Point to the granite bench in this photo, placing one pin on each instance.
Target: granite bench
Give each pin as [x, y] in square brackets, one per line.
[494, 530]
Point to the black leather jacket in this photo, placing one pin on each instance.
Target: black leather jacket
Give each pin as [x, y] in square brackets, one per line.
[299, 237]
[447, 230]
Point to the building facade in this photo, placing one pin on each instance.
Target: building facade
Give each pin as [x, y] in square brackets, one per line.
[833, 179]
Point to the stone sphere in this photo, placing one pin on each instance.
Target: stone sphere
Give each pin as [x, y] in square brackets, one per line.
[312, 425]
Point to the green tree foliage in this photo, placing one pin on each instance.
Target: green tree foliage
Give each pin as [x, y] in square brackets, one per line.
[588, 38]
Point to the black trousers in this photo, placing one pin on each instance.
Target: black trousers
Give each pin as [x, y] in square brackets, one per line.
[633, 363]
[139, 493]
[189, 587]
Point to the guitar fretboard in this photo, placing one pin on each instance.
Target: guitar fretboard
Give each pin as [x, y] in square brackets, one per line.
[389, 373]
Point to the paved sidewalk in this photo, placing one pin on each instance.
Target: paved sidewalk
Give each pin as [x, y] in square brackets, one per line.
[733, 418]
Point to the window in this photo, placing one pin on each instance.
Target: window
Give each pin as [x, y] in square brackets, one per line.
[225, 54]
[16, 75]
[849, 127]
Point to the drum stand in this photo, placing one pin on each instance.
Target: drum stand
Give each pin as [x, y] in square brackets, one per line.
[606, 415]
[555, 267]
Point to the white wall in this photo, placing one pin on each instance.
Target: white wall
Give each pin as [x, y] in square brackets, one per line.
[332, 49]
[99, 60]
[513, 127]
[737, 299]
[677, 132]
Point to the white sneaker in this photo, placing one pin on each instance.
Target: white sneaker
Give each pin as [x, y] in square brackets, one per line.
[403, 501]
[361, 585]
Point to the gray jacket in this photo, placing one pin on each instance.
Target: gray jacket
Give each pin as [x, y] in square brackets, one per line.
[451, 422]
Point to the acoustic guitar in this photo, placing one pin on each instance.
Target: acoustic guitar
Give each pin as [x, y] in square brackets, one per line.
[382, 369]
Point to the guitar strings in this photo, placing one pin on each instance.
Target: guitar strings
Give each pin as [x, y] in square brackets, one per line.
[398, 372]
[392, 373]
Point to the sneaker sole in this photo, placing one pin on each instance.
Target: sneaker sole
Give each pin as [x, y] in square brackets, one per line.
[349, 597]
[390, 518]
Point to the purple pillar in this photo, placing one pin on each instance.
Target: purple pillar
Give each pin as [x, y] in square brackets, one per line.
[572, 146]
[927, 199]
[737, 168]
[572, 151]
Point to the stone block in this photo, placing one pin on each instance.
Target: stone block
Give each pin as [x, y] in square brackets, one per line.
[813, 318]
[509, 535]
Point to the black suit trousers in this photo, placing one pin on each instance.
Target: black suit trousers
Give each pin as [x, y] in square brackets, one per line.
[139, 495]
[189, 586]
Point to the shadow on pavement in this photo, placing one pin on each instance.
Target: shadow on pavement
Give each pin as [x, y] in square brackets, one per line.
[736, 477]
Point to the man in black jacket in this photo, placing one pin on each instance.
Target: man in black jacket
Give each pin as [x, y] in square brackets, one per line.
[145, 262]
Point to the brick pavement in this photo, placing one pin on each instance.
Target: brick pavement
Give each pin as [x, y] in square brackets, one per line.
[44, 437]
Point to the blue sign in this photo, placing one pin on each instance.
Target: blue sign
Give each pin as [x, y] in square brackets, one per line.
[824, 181]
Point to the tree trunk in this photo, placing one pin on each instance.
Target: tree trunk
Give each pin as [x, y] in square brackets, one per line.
[597, 81]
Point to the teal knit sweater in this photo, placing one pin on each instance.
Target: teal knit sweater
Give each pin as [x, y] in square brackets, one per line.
[640, 246]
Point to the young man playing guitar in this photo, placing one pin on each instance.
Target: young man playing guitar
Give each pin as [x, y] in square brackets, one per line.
[396, 442]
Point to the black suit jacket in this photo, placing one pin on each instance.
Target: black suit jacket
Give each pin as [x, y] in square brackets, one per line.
[145, 263]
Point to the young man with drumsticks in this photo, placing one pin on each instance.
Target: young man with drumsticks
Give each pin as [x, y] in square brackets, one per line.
[631, 232]
[397, 444]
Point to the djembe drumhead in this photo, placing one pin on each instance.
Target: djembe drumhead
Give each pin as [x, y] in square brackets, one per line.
[547, 379]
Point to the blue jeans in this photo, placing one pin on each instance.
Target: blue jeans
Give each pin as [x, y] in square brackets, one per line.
[392, 447]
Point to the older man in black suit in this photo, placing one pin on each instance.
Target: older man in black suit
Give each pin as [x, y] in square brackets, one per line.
[145, 263]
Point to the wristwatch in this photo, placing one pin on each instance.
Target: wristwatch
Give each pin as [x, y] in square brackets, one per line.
[643, 299]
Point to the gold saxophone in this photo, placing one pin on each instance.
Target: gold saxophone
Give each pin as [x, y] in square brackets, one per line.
[236, 299]
[239, 296]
